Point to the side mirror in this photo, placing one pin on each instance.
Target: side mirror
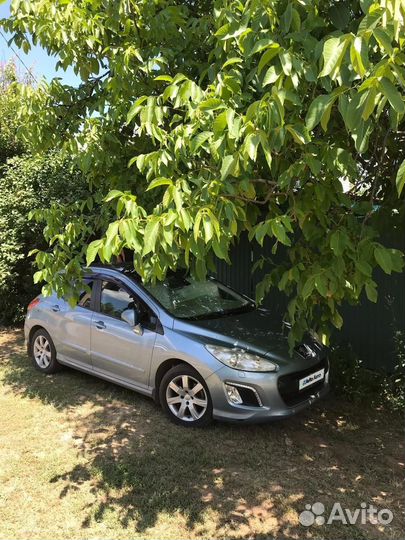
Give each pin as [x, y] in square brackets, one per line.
[132, 318]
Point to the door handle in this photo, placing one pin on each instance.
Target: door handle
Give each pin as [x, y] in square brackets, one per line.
[100, 324]
[55, 308]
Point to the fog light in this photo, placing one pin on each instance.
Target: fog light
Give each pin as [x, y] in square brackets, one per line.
[232, 394]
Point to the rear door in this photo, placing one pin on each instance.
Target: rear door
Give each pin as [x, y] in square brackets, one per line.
[116, 350]
[74, 328]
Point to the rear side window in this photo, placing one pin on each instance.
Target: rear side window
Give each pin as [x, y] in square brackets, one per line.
[85, 295]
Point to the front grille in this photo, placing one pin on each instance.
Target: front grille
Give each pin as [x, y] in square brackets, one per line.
[288, 385]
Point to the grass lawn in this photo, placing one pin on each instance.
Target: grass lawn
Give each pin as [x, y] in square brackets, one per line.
[81, 458]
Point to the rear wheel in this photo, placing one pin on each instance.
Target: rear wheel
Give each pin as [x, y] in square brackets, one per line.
[185, 397]
[43, 353]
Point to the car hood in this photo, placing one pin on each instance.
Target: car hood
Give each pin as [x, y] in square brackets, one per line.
[257, 331]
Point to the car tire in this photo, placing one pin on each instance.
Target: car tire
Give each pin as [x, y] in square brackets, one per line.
[43, 353]
[185, 397]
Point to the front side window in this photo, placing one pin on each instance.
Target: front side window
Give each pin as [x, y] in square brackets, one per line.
[114, 300]
[187, 298]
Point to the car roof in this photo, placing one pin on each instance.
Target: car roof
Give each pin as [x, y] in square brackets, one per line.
[127, 269]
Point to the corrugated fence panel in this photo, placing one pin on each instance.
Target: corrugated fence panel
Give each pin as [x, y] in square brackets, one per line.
[369, 328]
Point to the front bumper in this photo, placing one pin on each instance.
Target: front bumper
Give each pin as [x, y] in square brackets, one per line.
[271, 405]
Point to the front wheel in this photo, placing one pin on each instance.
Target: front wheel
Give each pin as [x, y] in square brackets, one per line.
[185, 397]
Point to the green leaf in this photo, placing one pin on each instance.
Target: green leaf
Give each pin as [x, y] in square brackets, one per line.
[371, 291]
[365, 5]
[134, 109]
[151, 234]
[338, 242]
[392, 94]
[383, 40]
[165, 78]
[185, 216]
[370, 103]
[268, 56]
[111, 233]
[38, 276]
[199, 140]
[178, 198]
[383, 258]
[113, 194]
[208, 229]
[326, 116]
[364, 267]
[271, 76]
[321, 284]
[161, 181]
[264, 141]
[200, 269]
[211, 104]
[250, 146]
[221, 248]
[231, 35]
[314, 164]
[298, 133]
[337, 320]
[358, 55]
[262, 44]
[286, 62]
[286, 18]
[397, 260]
[231, 61]
[228, 166]
[308, 287]
[279, 232]
[333, 52]
[400, 180]
[197, 224]
[92, 250]
[340, 15]
[317, 110]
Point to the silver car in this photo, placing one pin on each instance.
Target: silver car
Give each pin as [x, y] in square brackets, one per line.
[199, 348]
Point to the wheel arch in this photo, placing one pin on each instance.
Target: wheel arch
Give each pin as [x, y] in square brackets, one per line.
[161, 372]
[32, 331]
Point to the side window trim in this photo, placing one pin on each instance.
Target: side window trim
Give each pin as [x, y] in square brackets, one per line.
[96, 294]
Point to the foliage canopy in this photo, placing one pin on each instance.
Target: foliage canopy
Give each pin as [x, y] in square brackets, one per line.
[196, 121]
[26, 183]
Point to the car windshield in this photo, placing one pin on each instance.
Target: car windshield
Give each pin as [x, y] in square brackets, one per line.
[186, 298]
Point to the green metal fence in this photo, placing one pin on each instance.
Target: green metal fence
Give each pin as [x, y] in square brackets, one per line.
[369, 328]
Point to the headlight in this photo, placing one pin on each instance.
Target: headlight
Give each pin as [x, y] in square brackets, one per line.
[240, 359]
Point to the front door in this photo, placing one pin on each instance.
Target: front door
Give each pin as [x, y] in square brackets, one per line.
[116, 350]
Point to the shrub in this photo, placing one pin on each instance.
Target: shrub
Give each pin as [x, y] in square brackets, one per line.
[27, 183]
[355, 383]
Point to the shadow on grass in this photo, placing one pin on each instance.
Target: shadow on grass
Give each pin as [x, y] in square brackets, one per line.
[236, 481]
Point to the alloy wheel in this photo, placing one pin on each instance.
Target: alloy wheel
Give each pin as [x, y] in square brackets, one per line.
[42, 352]
[186, 398]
